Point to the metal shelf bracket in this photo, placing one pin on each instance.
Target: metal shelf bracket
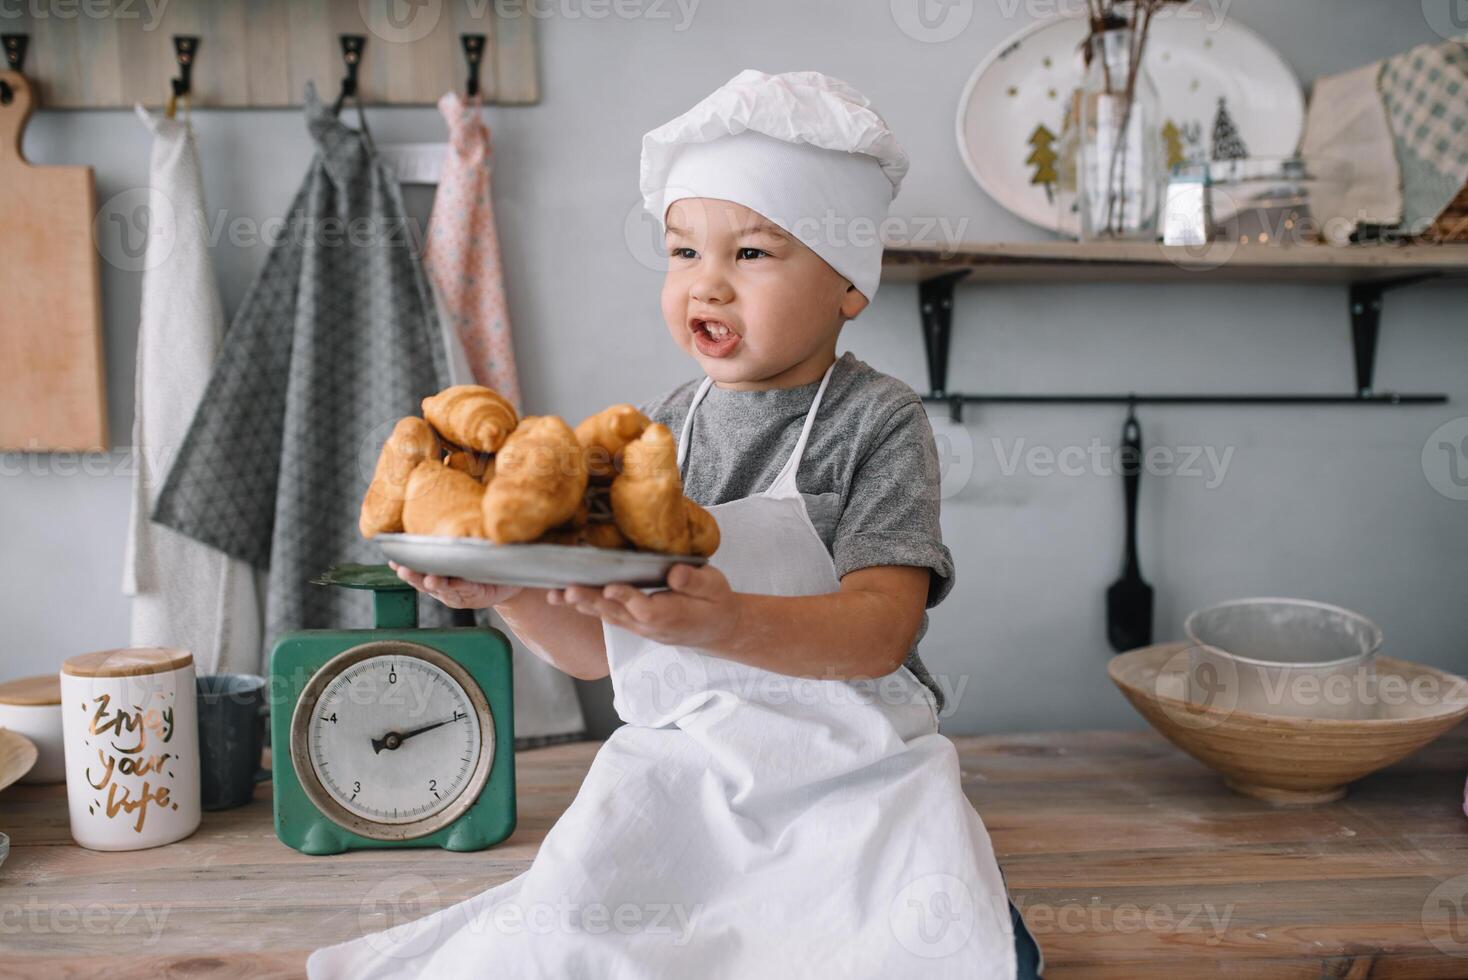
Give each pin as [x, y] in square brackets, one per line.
[935, 309]
[1365, 311]
[935, 306]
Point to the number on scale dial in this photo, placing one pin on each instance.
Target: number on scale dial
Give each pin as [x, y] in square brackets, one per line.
[394, 739]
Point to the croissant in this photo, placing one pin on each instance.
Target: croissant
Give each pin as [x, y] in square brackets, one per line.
[604, 536]
[598, 503]
[412, 441]
[471, 416]
[477, 465]
[703, 530]
[647, 496]
[605, 434]
[595, 535]
[443, 501]
[539, 481]
[567, 535]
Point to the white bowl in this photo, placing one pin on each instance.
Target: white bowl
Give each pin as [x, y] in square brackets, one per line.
[31, 706]
[1291, 657]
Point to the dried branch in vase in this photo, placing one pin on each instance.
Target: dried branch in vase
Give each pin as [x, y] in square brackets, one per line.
[1133, 20]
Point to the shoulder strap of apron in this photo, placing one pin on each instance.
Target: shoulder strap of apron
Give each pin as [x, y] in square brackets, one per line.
[784, 483]
[683, 438]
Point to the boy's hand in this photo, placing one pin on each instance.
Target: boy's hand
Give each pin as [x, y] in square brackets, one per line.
[699, 609]
[456, 593]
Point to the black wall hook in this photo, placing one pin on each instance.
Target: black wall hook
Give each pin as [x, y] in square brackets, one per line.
[185, 47]
[352, 45]
[15, 47]
[473, 54]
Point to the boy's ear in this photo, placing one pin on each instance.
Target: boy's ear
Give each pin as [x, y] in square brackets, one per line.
[852, 302]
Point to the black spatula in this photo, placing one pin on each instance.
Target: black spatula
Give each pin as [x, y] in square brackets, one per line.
[1129, 600]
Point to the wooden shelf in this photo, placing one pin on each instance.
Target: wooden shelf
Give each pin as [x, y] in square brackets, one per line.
[1366, 270]
[1151, 262]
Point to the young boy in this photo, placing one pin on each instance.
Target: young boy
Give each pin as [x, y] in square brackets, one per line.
[869, 476]
[779, 778]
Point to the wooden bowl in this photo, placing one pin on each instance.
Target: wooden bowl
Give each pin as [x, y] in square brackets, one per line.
[1285, 759]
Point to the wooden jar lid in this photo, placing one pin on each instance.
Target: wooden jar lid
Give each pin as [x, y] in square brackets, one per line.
[38, 691]
[127, 662]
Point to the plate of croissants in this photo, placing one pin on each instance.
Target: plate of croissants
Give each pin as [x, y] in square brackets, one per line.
[473, 491]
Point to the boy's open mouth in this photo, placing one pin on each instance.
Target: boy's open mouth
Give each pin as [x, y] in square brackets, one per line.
[713, 338]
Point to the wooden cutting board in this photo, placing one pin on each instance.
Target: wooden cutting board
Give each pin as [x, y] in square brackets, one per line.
[51, 381]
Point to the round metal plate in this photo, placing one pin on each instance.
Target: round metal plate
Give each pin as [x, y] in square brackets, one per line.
[543, 566]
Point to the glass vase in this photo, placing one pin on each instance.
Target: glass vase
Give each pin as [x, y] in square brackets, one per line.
[1120, 145]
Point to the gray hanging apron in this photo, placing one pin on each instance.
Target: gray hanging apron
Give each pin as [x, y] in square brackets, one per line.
[335, 341]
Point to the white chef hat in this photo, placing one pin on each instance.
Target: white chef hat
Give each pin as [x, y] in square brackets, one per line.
[803, 149]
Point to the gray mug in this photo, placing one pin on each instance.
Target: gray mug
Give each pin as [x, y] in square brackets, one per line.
[232, 713]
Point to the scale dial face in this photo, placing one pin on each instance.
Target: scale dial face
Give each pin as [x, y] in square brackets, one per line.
[392, 740]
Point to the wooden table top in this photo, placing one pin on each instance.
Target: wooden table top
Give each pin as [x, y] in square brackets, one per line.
[1127, 858]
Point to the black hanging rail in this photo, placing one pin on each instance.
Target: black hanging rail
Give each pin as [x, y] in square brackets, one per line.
[1388, 398]
[935, 307]
[955, 402]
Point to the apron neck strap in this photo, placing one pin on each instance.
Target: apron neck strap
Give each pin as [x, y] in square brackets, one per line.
[784, 482]
[687, 432]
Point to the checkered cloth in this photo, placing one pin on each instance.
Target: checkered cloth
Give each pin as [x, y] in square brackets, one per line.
[1425, 91]
[335, 341]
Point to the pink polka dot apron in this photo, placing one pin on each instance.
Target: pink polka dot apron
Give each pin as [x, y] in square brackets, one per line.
[462, 254]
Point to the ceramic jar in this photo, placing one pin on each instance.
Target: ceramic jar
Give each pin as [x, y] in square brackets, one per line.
[130, 723]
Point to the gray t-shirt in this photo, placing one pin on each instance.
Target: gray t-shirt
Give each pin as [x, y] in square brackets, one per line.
[869, 475]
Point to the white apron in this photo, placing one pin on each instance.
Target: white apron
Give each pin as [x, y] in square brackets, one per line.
[184, 593]
[742, 824]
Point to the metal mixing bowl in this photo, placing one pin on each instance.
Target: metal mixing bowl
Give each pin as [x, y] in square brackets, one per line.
[1289, 657]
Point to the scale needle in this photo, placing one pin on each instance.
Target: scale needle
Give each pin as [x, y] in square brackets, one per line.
[392, 740]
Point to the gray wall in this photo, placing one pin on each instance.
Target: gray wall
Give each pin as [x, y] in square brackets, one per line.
[1327, 503]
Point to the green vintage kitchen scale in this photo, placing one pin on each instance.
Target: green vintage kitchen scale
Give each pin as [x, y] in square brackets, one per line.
[393, 736]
